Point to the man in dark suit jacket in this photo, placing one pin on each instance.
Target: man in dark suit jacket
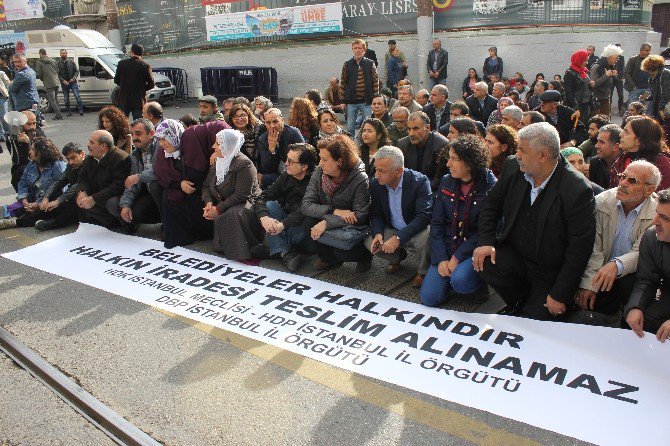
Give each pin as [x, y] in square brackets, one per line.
[134, 78]
[421, 147]
[437, 62]
[560, 117]
[481, 103]
[439, 107]
[101, 180]
[399, 212]
[548, 212]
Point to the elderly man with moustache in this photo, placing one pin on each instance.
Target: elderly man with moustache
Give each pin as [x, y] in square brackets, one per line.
[623, 214]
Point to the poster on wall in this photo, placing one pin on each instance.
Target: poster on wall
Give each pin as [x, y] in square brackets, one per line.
[161, 25]
[300, 20]
[51, 13]
[20, 10]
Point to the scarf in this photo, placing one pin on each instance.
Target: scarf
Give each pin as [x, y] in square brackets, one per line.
[230, 142]
[330, 185]
[171, 131]
[323, 135]
[577, 60]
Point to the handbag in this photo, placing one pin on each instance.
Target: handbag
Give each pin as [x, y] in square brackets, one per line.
[345, 237]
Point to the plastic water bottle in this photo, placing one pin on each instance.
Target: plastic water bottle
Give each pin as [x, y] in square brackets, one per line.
[5, 212]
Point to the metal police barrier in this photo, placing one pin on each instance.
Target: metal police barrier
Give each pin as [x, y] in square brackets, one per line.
[179, 79]
[249, 82]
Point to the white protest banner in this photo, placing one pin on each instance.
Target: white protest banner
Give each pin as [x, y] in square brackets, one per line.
[320, 18]
[597, 384]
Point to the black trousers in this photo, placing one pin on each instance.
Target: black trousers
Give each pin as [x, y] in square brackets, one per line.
[331, 255]
[65, 214]
[612, 301]
[137, 112]
[145, 207]
[517, 279]
[99, 215]
[656, 313]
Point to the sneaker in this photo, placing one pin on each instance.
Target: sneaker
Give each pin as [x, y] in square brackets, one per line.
[81, 113]
[7, 223]
[260, 251]
[69, 114]
[291, 260]
[46, 225]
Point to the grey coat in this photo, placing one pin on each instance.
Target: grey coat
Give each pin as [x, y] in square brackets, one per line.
[353, 195]
[232, 197]
[47, 71]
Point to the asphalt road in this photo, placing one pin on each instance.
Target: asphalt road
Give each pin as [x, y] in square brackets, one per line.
[185, 383]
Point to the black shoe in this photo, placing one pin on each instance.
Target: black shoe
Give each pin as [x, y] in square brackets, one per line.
[363, 267]
[512, 309]
[46, 225]
[69, 114]
[128, 228]
[58, 118]
[81, 113]
[260, 252]
[291, 260]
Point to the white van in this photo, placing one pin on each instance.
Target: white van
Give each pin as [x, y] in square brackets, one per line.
[97, 59]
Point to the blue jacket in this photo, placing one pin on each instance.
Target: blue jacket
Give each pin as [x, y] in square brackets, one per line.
[393, 71]
[441, 233]
[33, 184]
[417, 202]
[24, 89]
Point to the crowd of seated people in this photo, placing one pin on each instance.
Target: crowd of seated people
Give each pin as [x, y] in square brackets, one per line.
[534, 192]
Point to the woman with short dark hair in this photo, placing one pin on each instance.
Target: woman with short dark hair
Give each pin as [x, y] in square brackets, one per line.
[338, 195]
[642, 138]
[453, 226]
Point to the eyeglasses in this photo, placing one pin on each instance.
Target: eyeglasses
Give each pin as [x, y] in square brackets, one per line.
[631, 180]
[400, 121]
[290, 161]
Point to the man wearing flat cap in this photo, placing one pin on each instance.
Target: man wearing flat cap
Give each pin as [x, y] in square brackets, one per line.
[209, 109]
[562, 118]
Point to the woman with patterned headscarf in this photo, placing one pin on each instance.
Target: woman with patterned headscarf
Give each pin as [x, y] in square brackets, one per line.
[229, 189]
[180, 171]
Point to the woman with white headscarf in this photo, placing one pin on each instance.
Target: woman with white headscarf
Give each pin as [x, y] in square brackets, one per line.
[181, 170]
[229, 189]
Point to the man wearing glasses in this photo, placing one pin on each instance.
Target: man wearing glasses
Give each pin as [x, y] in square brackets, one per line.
[623, 214]
[277, 209]
[398, 129]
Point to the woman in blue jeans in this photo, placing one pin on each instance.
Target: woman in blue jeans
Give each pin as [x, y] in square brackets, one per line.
[453, 227]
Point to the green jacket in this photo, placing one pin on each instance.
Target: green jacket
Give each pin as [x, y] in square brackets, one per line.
[46, 70]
